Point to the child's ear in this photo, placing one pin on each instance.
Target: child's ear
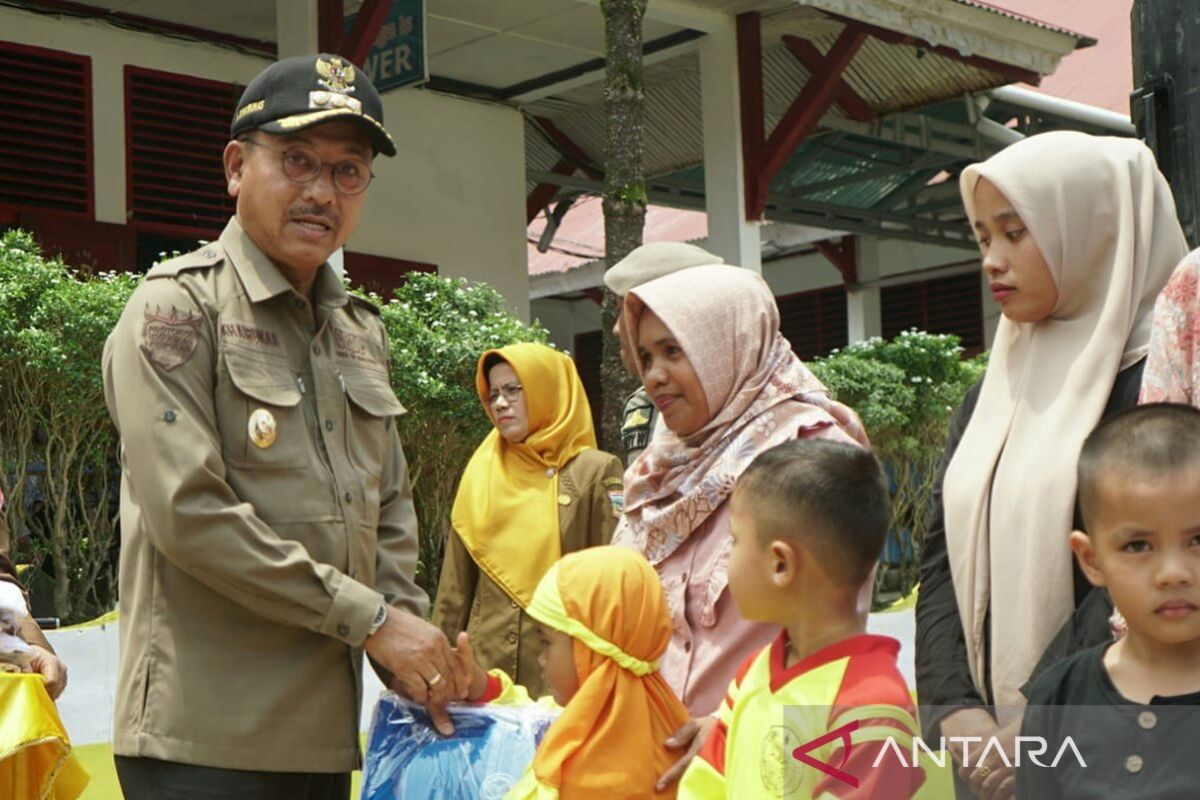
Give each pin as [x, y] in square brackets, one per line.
[786, 561]
[1085, 554]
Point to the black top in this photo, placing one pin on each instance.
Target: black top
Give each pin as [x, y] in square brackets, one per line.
[1130, 750]
[943, 672]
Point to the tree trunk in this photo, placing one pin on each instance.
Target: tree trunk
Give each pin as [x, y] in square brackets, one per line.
[624, 190]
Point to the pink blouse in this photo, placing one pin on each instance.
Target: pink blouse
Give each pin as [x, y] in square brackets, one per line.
[709, 638]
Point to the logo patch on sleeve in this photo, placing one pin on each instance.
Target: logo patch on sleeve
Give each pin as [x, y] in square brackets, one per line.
[170, 339]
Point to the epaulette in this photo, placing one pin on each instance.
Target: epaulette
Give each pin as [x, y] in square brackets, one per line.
[637, 420]
[365, 303]
[208, 256]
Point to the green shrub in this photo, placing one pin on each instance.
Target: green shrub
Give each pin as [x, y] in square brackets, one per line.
[905, 390]
[54, 425]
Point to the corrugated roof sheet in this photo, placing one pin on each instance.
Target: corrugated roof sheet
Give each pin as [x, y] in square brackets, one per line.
[888, 77]
[1084, 40]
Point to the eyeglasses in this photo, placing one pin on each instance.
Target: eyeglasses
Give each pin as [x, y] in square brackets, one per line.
[509, 391]
[302, 164]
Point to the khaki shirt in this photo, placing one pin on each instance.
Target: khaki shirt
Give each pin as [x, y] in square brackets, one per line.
[265, 512]
[640, 423]
[502, 634]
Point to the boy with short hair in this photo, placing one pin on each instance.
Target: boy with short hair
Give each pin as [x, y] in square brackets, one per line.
[1131, 719]
[809, 715]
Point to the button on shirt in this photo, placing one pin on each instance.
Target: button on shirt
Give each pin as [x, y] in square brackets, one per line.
[262, 468]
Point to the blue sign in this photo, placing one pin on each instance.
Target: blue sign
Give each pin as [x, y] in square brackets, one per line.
[397, 57]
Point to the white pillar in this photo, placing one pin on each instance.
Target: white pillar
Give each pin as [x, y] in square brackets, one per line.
[296, 27]
[729, 234]
[864, 311]
[863, 314]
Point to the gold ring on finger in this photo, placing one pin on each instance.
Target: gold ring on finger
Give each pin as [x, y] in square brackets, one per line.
[435, 680]
[984, 771]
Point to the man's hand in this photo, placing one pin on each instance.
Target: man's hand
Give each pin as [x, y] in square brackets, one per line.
[422, 663]
[50, 667]
[691, 735]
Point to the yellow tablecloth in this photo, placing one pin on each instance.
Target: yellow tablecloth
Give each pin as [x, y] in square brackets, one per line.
[35, 752]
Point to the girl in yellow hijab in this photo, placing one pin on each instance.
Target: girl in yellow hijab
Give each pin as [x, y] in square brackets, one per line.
[535, 489]
[604, 617]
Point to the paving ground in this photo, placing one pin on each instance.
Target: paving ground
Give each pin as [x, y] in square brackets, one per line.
[91, 654]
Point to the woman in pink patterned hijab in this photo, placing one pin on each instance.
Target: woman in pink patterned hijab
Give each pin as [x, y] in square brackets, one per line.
[728, 385]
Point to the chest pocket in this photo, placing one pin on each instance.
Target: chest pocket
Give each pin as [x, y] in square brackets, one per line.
[371, 406]
[265, 389]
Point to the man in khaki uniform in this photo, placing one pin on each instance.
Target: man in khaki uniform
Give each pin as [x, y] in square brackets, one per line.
[268, 531]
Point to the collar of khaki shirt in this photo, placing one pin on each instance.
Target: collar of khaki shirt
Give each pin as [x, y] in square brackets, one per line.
[262, 278]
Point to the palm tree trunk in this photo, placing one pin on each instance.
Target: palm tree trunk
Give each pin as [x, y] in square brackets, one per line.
[624, 189]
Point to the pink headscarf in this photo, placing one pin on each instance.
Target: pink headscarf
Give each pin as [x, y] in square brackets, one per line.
[726, 321]
[1172, 371]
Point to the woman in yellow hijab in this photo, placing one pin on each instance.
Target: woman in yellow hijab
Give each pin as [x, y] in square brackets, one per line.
[536, 489]
[603, 614]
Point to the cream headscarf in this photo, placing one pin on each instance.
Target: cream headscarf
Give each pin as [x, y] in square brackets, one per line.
[760, 394]
[1103, 218]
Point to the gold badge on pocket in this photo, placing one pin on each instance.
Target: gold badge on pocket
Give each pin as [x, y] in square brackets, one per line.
[262, 428]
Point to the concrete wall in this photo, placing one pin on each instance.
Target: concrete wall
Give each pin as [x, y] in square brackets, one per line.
[565, 319]
[455, 193]
[453, 197]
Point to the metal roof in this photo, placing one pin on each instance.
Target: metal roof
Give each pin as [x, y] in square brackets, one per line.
[844, 166]
[1084, 40]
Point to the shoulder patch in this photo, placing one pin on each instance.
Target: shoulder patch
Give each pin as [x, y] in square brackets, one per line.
[207, 256]
[615, 489]
[170, 338]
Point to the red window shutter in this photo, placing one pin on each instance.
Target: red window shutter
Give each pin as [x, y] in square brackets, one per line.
[379, 274]
[814, 322]
[589, 352]
[177, 127]
[45, 129]
[942, 305]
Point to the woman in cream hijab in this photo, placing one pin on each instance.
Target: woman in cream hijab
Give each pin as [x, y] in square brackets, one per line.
[1078, 235]
[535, 489]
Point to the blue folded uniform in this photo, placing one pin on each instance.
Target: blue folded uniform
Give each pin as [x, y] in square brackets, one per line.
[491, 748]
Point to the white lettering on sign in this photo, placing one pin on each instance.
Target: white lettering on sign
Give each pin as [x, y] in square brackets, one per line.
[390, 63]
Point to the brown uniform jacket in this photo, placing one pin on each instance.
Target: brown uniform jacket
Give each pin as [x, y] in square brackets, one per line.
[502, 635]
[265, 512]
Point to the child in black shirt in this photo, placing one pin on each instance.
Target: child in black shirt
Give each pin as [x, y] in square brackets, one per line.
[1131, 709]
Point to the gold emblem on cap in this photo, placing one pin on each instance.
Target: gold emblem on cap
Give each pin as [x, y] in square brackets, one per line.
[262, 428]
[336, 75]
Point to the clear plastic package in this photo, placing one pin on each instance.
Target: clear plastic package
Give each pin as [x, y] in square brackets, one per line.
[490, 750]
